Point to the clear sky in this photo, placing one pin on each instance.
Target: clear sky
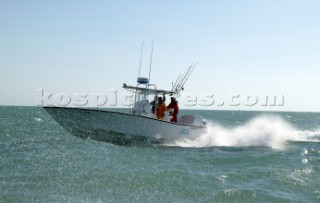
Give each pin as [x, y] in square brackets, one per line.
[242, 47]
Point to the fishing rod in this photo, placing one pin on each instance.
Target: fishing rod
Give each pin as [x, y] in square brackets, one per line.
[184, 78]
[187, 76]
[180, 85]
[180, 81]
[174, 85]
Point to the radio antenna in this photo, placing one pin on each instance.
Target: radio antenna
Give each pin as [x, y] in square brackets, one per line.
[151, 59]
[141, 52]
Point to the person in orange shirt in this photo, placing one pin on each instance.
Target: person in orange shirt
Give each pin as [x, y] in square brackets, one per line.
[161, 110]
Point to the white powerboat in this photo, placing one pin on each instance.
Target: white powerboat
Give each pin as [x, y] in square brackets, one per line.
[139, 123]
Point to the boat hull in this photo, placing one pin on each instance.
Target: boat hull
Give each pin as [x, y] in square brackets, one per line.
[116, 126]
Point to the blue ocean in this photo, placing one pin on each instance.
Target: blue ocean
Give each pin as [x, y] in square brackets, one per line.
[243, 157]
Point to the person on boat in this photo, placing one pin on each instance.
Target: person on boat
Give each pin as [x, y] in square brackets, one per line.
[153, 105]
[161, 110]
[173, 109]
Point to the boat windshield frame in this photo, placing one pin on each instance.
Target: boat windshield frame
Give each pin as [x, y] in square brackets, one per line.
[141, 95]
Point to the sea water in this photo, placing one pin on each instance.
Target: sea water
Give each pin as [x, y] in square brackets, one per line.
[243, 157]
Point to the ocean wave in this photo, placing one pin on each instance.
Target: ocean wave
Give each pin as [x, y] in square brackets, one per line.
[262, 131]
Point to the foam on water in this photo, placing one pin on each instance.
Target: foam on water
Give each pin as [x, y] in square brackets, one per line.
[265, 131]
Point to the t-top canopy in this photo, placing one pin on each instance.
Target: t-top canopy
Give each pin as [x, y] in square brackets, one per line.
[150, 90]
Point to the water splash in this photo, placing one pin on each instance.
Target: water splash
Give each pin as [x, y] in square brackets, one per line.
[38, 119]
[265, 131]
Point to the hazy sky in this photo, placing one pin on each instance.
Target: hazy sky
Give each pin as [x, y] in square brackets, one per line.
[242, 47]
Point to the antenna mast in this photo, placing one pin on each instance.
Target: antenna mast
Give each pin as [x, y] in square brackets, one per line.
[141, 52]
[151, 59]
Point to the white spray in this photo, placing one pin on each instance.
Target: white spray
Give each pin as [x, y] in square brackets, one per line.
[264, 131]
